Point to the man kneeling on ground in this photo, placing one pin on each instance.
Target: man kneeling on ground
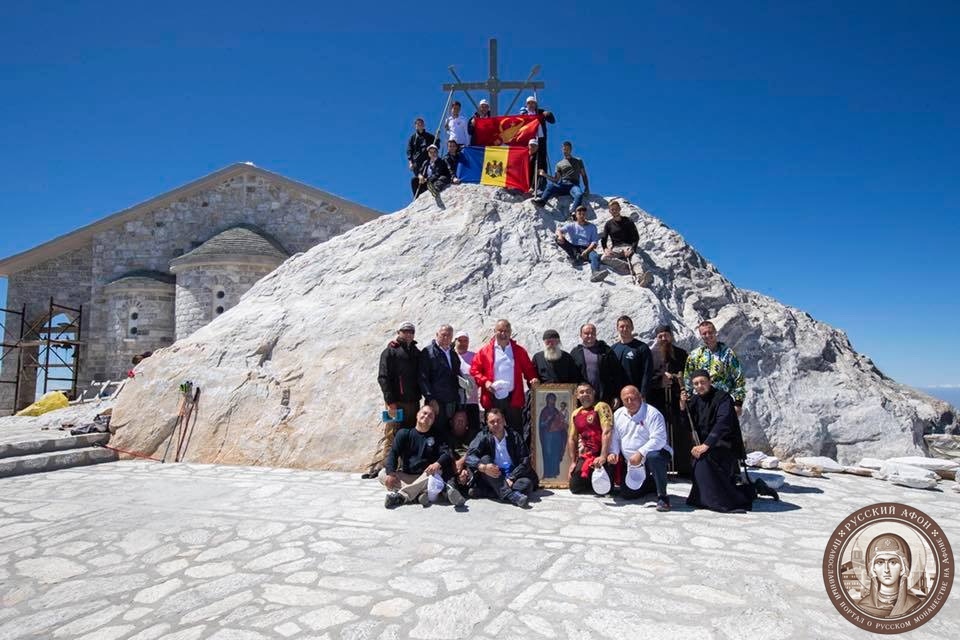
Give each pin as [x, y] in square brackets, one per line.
[640, 434]
[500, 462]
[416, 455]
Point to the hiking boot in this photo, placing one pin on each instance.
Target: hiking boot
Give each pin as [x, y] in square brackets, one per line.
[518, 499]
[432, 188]
[393, 499]
[615, 263]
[598, 275]
[538, 201]
[663, 504]
[423, 499]
[454, 497]
[645, 279]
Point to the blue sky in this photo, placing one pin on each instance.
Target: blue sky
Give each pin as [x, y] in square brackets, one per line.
[808, 149]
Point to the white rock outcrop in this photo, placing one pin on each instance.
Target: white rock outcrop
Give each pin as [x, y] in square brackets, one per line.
[289, 374]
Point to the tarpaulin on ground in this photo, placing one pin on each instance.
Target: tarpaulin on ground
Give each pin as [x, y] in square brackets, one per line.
[497, 166]
[505, 130]
[49, 402]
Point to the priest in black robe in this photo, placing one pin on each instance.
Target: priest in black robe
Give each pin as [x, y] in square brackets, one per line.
[716, 468]
[669, 361]
[553, 364]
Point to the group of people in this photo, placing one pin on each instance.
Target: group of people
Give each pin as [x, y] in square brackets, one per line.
[434, 173]
[640, 411]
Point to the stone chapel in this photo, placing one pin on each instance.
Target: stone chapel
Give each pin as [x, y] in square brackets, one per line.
[144, 277]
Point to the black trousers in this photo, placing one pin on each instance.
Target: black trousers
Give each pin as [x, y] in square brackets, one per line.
[579, 484]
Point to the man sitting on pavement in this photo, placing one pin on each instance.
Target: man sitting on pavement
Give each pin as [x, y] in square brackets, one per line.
[416, 455]
[500, 462]
[460, 437]
[640, 436]
[623, 238]
[566, 179]
[553, 364]
[579, 240]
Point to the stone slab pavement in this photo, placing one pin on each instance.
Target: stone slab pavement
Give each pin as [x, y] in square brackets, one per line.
[139, 550]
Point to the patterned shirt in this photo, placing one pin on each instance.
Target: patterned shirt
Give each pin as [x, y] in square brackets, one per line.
[723, 367]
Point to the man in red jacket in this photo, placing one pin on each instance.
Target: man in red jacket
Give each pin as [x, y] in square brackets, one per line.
[499, 369]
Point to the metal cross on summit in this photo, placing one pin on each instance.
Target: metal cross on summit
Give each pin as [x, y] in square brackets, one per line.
[493, 84]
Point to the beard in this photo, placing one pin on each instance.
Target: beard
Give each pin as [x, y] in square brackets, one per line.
[666, 350]
[552, 354]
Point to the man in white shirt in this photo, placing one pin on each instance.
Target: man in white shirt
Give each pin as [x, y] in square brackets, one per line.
[456, 126]
[640, 436]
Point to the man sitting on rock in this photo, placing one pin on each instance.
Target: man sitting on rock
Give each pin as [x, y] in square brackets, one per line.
[719, 360]
[579, 240]
[434, 173]
[566, 180]
[623, 238]
[640, 436]
[500, 462]
[452, 159]
[553, 364]
[416, 455]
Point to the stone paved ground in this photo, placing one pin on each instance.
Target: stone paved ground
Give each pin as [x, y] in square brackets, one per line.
[142, 550]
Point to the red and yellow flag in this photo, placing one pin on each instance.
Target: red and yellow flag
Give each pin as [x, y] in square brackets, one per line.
[511, 131]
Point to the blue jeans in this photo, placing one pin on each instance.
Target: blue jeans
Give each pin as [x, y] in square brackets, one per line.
[563, 188]
[656, 466]
[574, 252]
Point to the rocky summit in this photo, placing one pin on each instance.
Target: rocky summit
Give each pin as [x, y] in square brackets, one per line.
[288, 376]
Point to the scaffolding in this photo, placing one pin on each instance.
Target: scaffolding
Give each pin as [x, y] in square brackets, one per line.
[35, 348]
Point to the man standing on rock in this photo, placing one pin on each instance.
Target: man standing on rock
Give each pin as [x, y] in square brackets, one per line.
[579, 240]
[500, 462]
[622, 252]
[399, 380]
[499, 369]
[720, 362]
[669, 361]
[553, 364]
[457, 126]
[416, 455]
[566, 179]
[483, 111]
[440, 377]
[598, 364]
[531, 108]
[636, 362]
[417, 152]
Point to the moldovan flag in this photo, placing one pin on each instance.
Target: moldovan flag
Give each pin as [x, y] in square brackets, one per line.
[497, 166]
[505, 130]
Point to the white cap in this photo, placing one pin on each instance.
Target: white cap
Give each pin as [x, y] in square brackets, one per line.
[600, 481]
[636, 475]
[484, 101]
[531, 99]
[533, 143]
[461, 334]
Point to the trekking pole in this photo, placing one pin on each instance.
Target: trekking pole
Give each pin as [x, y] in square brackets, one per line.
[693, 430]
[181, 410]
[186, 423]
[188, 429]
[442, 116]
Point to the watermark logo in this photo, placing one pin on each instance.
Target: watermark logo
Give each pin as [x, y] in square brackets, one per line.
[888, 568]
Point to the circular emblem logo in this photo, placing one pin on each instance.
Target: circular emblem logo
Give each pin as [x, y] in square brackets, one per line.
[888, 568]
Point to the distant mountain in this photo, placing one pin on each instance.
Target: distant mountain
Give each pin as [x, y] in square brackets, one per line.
[949, 394]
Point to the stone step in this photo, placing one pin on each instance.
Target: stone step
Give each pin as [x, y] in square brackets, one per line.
[52, 460]
[32, 445]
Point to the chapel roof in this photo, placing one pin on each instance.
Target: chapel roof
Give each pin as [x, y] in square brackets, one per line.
[238, 242]
[79, 237]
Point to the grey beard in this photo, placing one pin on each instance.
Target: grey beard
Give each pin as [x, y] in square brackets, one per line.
[552, 354]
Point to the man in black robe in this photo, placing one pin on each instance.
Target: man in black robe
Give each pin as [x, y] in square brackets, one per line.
[664, 394]
[716, 467]
[553, 364]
